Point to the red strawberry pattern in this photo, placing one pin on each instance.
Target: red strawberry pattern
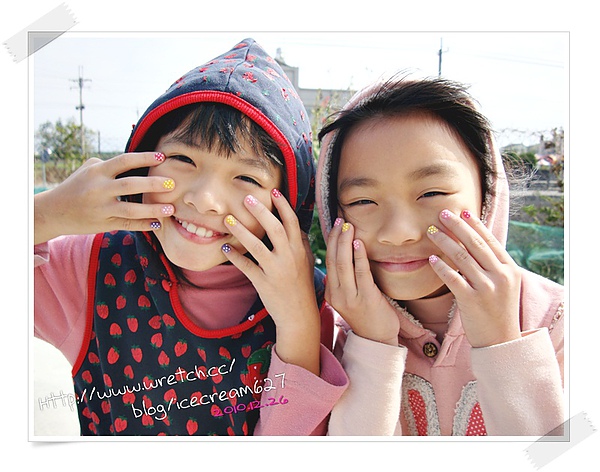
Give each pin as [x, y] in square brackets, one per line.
[145, 372]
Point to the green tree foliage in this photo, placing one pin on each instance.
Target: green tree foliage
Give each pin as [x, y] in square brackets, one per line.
[58, 147]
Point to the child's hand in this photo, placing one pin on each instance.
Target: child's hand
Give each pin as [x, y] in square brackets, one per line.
[283, 278]
[88, 201]
[352, 291]
[488, 282]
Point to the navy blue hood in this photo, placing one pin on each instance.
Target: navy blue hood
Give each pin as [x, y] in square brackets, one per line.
[248, 79]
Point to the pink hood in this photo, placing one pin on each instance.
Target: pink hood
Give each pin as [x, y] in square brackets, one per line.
[495, 210]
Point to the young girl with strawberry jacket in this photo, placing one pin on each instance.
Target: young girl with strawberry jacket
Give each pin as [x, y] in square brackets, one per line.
[177, 279]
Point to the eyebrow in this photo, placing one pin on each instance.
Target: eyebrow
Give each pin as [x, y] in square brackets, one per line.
[356, 182]
[257, 163]
[439, 168]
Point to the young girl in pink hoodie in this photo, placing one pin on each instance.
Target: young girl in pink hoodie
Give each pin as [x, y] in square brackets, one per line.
[444, 333]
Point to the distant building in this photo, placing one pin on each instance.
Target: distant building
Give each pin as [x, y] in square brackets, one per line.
[319, 103]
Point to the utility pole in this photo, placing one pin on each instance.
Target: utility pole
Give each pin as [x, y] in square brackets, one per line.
[440, 52]
[80, 81]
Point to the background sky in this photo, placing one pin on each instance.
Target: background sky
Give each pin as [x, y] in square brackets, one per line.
[519, 79]
[440, 18]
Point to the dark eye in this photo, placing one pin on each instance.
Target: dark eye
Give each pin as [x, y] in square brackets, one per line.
[361, 202]
[250, 180]
[431, 194]
[181, 158]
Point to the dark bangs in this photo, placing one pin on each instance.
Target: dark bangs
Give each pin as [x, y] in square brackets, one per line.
[213, 127]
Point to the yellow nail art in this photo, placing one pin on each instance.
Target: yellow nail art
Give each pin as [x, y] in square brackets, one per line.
[230, 220]
[432, 229]
[345, 227]
[169, 184]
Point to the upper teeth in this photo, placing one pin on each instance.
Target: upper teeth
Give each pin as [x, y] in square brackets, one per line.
[197, 230]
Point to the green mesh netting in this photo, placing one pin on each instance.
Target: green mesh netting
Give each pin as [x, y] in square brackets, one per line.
[538, 248]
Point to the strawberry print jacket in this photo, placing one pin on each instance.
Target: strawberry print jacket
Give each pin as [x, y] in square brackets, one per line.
[148, 370]
[142, 366]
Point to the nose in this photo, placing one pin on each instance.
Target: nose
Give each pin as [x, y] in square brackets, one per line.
[206, 194]
[400, 226]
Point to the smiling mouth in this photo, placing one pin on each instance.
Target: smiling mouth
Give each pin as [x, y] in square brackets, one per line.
[199, 231]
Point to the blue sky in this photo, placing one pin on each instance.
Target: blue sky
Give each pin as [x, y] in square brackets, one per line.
[520, 79]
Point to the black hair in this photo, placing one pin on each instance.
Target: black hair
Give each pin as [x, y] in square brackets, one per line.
[437, 97]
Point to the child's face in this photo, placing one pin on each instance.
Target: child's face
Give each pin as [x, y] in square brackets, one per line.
[208, 187]
[395, 176]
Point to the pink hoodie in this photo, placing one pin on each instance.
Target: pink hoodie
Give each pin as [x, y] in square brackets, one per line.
[513, 388]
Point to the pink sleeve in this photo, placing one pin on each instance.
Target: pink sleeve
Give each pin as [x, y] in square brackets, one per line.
[309, 398]
[519, 385]
[60, 292]
[371, 404]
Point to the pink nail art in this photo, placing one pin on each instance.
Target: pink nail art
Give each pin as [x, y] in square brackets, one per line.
[250, 200]
[446, 214]
[466, 214]
[159, 156]
[167, 210]
[356, 244]
[276, 193]
[337, 222]
[433, 259]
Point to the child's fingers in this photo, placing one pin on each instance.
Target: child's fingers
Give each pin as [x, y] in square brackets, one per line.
[147, 224]
[143, 211]
[245, 265]
[362, 268]
[249, 241]
[480, 243]
[331, 256]
[274, 228]
[458, 254]
[451, 278]
[492, 242]
[141, 185]
[288, 216]
[345, 259]
[133, 160]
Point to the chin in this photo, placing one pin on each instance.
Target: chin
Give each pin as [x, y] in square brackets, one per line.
[403, 291]
[187, 263]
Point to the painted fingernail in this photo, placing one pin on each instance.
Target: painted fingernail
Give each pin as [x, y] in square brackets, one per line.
[167, 210]
[466, 214]
[345, 227]
[230, 220]
[446, 214]
[356, 244]
[250, 200]
[155, 225]
[276, 193]
[159, 156]
[432, 229]
[337, 222]
[169, 184]
[226, 248]
[433, 259]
